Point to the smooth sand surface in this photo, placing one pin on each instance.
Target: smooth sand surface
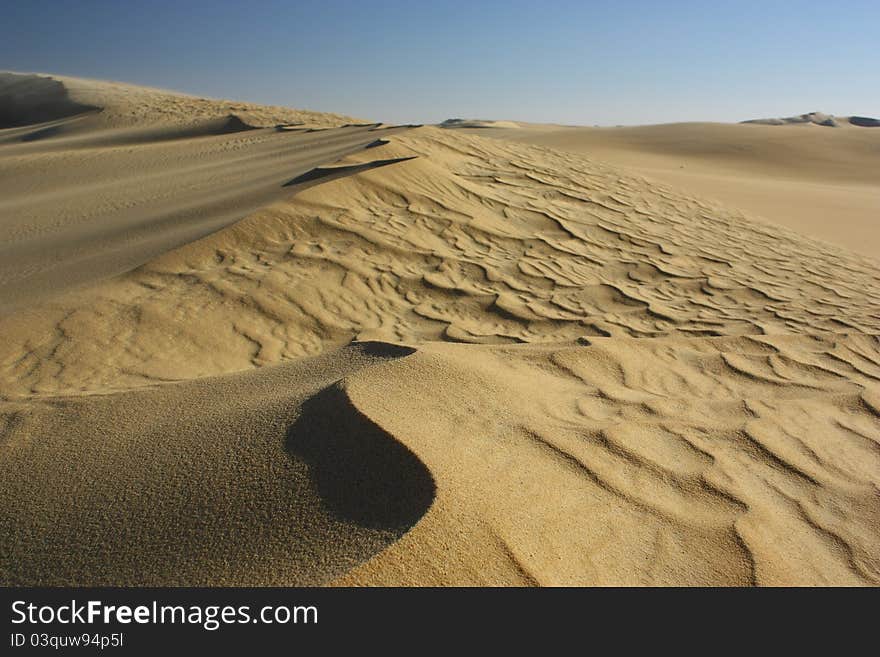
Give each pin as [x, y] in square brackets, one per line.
[447, 359]
[818, 180]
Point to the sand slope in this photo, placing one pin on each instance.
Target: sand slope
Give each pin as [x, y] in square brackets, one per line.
[819, 181]
[99, 192]
[447, 359]
[638, 461]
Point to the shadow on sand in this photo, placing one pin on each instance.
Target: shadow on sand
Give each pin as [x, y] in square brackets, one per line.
[362, 473]
[325, 174]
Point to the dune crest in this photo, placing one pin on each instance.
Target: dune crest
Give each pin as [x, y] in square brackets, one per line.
[30, 99]
[458, 239]
[96, 194]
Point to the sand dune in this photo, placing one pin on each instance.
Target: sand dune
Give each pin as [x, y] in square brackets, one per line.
[820, 118]
[439, 358]
[91, 195]
[29, 99]
[820, 182]
[477, 123]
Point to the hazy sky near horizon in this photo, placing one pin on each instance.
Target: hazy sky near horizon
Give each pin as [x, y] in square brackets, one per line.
[586, 63]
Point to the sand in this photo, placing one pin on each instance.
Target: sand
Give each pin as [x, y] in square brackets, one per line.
[818, 180]
[442, 359]
[100, 193]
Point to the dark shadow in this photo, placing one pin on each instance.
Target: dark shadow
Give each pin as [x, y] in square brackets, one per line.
[397, 126]
[326, 174]
[865, 121]
[361, 472]
[471, 124]
[227, 125]
[290, 127]
[232, 123]
[31, 99]
[43, 133]
[381, 349]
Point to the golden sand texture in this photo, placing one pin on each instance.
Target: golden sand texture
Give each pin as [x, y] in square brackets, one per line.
[447, 359]
[821, 181]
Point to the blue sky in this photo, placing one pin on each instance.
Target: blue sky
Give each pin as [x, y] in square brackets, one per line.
[567, 62]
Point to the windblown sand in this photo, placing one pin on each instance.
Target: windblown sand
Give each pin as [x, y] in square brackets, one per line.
[821, 181]
[435, 358]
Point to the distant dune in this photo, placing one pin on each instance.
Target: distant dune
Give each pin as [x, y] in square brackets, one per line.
[477, 123]
[424, 357]
[820, 182]
[818, 118]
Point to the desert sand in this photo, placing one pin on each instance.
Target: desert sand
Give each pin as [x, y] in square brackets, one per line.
[372, 355]
[819, 180]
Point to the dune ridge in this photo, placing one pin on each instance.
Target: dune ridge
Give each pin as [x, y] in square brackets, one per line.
[133, 105]
[97, 194]
[29, 99]
[450, 359]
[819, 182]
[470, 241]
